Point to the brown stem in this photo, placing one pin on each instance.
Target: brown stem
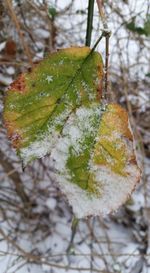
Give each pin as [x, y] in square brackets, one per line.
[17, 25]
[106, 33]
[102, 14]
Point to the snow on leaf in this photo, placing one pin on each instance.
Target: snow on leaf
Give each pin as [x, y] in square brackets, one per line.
[39, 102]
[55, 109]
[95, 161]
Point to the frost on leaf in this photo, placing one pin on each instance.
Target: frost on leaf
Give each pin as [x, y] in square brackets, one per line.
[95, 160]
[56, 109]
[39, 102]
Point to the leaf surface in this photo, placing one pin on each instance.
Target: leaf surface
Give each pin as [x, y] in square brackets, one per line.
[95, 161]
[39, 102]
[55, 109]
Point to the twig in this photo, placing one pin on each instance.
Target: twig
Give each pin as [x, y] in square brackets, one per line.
[89, 22]
[102, 14]
[16, 22]
[106, 33]
[75, 222]
[8, 168]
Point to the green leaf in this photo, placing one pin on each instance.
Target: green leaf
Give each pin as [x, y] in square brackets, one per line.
[148, 75]
[56, 109]
[131, 25]
[52, 12]
[39, 102]
[145, 30]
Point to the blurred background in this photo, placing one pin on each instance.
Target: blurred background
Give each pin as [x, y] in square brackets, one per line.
[35, 218]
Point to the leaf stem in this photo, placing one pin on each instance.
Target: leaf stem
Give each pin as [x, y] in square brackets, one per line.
[89, 22]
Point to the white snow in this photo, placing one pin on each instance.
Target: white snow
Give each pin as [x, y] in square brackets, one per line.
[114, 188]
[51, 203]
[46, 143]
[6, 80]
[131, 249]
[115, 191]
[42, 33]
[2, 46]
[39, 148]
[10, 70]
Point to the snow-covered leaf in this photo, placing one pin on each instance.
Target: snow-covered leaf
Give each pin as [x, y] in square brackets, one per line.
[95, 161]
[56, 109]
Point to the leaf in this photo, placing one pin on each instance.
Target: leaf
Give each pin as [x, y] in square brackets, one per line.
[145, 30]
[132, 27]
[52, 12]
[55, 108]
[147, 75]
[39, 102]
[95, 161]
[147, 26]
[10, 48]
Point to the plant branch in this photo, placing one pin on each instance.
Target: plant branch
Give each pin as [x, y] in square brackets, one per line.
[17, 25]
[106, 33]
[14, 175]
[89, 22]
[102, 14]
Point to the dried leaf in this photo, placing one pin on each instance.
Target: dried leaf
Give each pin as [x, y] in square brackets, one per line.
[10, 48]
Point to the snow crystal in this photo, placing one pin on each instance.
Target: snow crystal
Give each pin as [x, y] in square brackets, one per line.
[61, 62]
[12, 106]
[49, 78]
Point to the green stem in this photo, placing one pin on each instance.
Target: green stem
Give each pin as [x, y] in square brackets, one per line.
[70, 247]
[89, 22]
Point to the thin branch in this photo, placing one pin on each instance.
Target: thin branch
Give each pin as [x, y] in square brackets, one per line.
[74, 226]
[102, 14]
[106, 33]
[17, 24]
[89, 22]
[14, 175]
